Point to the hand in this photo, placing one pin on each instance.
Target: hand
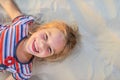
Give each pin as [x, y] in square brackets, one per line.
[10, 77]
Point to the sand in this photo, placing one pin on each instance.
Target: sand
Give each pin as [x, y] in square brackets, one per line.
[96, 56]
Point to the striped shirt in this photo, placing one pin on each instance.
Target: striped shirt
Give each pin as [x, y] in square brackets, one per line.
[10, 37]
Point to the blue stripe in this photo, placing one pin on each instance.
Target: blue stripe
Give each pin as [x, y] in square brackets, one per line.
[6, 44]
[20, 75]
[14, 41]
[21, 69]
[21, 31]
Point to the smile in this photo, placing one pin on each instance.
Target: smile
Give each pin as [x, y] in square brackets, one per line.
[34, 47]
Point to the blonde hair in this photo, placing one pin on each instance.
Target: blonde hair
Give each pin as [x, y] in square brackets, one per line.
[70, 36]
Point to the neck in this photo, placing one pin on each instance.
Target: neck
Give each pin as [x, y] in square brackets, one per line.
[22, 56]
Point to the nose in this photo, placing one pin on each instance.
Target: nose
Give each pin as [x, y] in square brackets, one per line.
[43, 45]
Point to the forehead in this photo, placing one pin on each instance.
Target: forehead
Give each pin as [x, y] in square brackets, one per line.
[59, 25]
[57, 40]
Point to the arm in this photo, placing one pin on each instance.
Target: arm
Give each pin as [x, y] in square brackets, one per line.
[10, 7]
[10, 77]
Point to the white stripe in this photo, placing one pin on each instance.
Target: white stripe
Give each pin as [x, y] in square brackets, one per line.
[8, 43]
[12, 43]
[25, 76]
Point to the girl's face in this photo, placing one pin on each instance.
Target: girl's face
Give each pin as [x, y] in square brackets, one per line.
[45, 42]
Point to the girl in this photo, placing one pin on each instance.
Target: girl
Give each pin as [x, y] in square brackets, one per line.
[23, 40]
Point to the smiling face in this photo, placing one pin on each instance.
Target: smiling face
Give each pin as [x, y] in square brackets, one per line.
[45, 42]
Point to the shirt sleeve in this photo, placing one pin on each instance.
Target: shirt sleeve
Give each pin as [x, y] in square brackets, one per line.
[23, 19]
[20, 25]
[24, 72]
[21, 76]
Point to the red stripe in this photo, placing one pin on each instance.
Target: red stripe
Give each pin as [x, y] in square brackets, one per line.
[26, 69]
[1, 47]
[17, 67]
[17, 18]
[17, 33]
[30, 67]
[17, 77]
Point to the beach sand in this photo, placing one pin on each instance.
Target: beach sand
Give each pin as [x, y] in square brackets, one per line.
[97, 54]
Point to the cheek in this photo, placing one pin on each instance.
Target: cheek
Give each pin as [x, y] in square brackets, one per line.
[28, 44]
[27, 47]
[44, 54]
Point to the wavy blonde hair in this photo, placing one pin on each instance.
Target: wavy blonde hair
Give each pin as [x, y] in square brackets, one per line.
[70, 36]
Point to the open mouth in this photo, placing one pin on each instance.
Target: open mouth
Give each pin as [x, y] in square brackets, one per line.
[34, 47]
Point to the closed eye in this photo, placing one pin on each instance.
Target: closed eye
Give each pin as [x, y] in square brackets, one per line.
[45, 36]
[50, 50]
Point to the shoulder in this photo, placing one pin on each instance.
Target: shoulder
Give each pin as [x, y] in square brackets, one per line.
[23, 19]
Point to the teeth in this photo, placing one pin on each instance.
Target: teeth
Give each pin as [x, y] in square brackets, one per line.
[36, 47]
